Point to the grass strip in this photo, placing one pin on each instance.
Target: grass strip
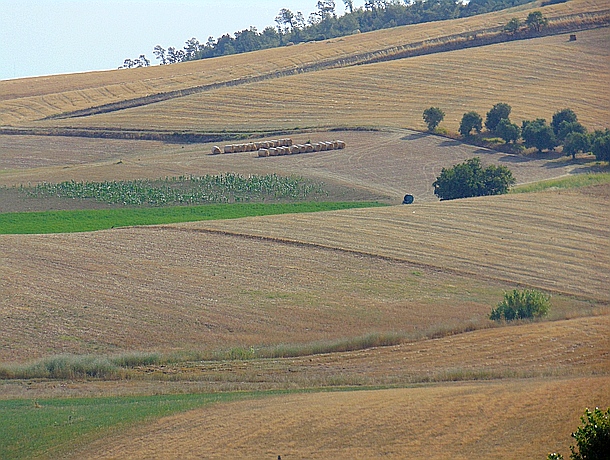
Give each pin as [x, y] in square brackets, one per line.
[92, 220]
[51, 427]
[568, 182]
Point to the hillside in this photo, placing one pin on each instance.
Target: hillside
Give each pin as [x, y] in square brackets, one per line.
[23, 102]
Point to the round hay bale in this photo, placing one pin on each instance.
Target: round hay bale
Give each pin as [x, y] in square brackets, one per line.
[340, 145]
[251, 147]
[335, 145]
[273, 152]
[408, 199]
[302, 148]
[265, 145]
[263, 153]
[308, 148]
[274, 143]
[229, 148]
[323, 146]
[216, 150]
[294, 149]
[289, 142]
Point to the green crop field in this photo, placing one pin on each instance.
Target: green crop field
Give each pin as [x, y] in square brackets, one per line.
[91, 220]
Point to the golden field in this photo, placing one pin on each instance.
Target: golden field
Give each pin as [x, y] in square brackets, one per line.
[455, 385]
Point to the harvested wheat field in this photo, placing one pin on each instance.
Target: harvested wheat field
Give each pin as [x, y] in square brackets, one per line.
[556, 241]
[25, 101]
[380, 165]
[298, 278]
[525, 74]
[515, 419]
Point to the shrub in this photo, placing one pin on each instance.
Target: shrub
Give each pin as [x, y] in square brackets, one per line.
[593, 438]
[601, 148]
[524, 304]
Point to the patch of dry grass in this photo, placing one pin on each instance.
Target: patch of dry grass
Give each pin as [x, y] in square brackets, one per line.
[512, 419]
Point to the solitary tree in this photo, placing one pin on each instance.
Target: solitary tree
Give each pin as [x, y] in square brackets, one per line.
[513, 26]
[470, 179]
[470, 121]
[593, 438]
[524, 304]
[433, 116]
[497, 113]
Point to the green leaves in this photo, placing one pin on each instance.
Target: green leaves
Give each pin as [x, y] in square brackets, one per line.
[223, 188]
[524, 304]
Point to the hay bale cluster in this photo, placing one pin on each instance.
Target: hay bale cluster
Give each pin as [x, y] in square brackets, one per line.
[278, 147]
[252, 146]
[300, 148]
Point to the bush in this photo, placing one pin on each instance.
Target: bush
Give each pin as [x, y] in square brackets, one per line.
[526, 304]
[593, 438]
[498, 112]
[470, 179]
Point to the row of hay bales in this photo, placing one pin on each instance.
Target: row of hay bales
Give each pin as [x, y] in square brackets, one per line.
[252, 146]
[301, 148]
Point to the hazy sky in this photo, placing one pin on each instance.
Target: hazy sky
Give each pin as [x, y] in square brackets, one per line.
[42, 37]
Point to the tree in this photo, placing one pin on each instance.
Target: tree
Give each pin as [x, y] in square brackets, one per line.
[576, 142]
[524, 304]
[498, 112]
[469, 179]
[601, 147]
[513, 26]
[349, 5]
[159, 52]
[536, 21]
[593, 438]
[538, 134]
[433, 116]
[561, 116]
[567, 127]
[470, 121]
[508, 131]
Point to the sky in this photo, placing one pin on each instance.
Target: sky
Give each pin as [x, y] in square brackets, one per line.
[45, 37]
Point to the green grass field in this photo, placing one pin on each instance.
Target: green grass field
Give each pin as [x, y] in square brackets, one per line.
[92, 220]
[47, 428]
[579, 180]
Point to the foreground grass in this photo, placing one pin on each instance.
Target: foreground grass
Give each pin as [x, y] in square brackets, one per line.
[576, 181]
[47, 428]
[92, 220]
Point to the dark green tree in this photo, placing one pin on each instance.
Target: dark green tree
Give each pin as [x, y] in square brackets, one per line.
[536, 21]
[433, 116]
[470, 121]
[593, 438]
[538, 134]
[601, 147]
[508, 131]
[469, 179]
[497, 113]
[576, 142]
[513, 26]
[561, 116]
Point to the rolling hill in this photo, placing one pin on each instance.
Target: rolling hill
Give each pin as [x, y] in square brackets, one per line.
[448, 383]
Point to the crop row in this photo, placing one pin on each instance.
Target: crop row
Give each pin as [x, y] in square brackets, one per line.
[223, 188]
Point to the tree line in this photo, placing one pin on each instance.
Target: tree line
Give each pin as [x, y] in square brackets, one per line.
[324, 23]
[564, 130]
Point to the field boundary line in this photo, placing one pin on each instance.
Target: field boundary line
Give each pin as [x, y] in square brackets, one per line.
[475, 38]
[371, 255]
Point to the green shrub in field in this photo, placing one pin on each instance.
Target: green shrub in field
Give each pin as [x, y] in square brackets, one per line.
[592, 439]
[524, 304]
